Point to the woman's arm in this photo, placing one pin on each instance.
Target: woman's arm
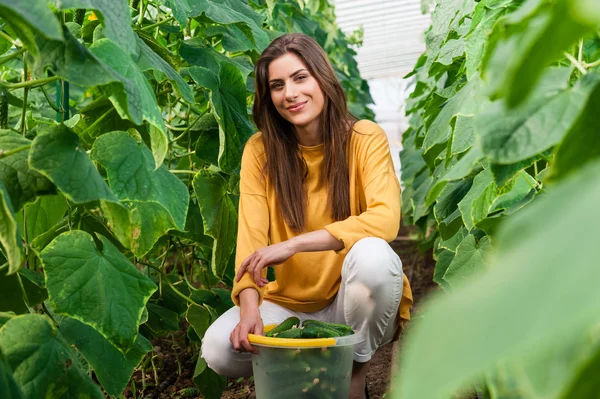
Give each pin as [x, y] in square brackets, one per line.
[276, 254]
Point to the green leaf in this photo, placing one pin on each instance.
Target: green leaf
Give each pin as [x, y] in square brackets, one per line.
[37, 14]
[469, 260]
[452, 49]
[577, 147]
[466, 102]
[522, 186]
[133, 97]
[8, 231]
[210, 383]
[22, 183]
[30, 343]
[86, 283]
[504, 173]
[40, 216]
[60, 156]
[11, 299]
[196, 53]
[463, 134]
[219, 215]
[34, 286]
[227, 12]
[115, 17]
[539, 30]
[513, 135]
[476, 205]
[153, 201]
[228, 103]
[149, 60]
[161, 320]
[234, 37]
[446, 210]
[444, 258]
[8, 385]
[6, 316]
[180, 8]
[199, 318]
[498, 316]
[112, 368]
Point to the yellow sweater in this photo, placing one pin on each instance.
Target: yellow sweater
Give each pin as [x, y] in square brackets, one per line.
[375, 212]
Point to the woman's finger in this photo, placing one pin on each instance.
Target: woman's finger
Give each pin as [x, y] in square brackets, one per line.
[243, 268]
[257, 275]
[234, 338]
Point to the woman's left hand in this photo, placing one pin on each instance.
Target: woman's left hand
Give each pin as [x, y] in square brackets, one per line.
[268, 256]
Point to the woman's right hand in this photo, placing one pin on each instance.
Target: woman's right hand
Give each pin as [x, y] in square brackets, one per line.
[250, 321]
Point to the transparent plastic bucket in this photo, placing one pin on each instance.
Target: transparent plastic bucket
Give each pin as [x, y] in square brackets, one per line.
[303, 368]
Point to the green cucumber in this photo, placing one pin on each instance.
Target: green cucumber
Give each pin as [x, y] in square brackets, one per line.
[285, 325]
[342, 329]
[291, 333]
[318, 332]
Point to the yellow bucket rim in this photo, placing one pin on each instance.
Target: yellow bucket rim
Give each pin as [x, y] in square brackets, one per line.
[289, 342]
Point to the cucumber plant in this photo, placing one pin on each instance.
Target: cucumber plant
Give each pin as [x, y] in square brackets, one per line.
[501, 165]
[122, 126]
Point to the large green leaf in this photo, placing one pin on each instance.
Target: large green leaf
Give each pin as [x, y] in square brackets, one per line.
[22, 183]
[195, 52]
[112, 368]
[8, 385]
[219, 215]
[470, 259]
[578, 146]
[40, 216]
[149, 60]
[528, 40]
[199, 318]
[498, 316]
[11, 295]
[227, 12]
[30, 343]
[35, 13]
[513, 135]
[154, 201]
[180, 8]
[98, 287]
[476, 205]
[60, 156]
[8, 231]
[228, 101]
[114, 15]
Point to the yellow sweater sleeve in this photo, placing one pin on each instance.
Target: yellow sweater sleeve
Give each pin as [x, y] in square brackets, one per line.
[253, 217]
[382, 194]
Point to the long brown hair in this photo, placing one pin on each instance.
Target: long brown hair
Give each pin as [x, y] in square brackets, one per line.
[281, 144]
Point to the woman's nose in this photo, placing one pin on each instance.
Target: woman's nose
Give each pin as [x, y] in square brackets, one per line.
[291, 92]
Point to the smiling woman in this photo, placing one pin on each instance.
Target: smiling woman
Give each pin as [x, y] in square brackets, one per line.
[319, 198]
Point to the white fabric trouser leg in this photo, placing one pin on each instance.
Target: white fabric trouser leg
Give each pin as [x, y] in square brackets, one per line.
[367, 300]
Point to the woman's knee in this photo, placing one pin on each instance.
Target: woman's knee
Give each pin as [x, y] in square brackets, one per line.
[373, 262]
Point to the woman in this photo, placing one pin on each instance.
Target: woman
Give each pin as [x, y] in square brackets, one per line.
[319, 198]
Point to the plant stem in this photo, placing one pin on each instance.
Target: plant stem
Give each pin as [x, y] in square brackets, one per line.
[25, 95]
[31, 83]
[49, 100]
[168, 281]
[580, 55]
[4, 154]
[15, 54]
[96, 122]
[142, 12]
[189, 172]
[576, 63]
[164, 21]
[9, 39]
[593, 64]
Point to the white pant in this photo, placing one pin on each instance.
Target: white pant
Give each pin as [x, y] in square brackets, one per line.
[367, 300]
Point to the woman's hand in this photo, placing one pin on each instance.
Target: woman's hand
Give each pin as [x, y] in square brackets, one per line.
[249, 323]
[268, 256]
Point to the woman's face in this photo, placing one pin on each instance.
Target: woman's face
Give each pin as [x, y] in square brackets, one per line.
[295, 93]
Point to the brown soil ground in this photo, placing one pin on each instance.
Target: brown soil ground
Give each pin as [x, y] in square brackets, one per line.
[174, 361]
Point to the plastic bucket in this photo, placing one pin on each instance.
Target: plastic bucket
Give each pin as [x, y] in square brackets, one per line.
[302, 368]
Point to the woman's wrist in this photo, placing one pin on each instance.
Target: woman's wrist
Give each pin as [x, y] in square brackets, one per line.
[249, 301]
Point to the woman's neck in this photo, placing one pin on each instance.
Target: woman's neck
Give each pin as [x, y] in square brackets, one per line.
[309, 135]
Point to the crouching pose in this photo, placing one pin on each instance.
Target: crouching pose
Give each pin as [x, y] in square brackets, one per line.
[319, 200]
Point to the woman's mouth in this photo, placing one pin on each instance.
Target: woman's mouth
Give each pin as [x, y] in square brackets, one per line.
[297, 107]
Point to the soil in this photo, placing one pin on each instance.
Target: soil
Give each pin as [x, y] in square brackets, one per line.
[174, 359]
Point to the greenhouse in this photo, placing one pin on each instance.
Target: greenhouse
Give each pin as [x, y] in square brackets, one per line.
[299, 199]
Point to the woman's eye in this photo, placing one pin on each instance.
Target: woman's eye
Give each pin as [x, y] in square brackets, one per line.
[302, 77]
[276, 86]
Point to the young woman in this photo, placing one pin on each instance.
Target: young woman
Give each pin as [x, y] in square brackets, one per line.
[320, 199]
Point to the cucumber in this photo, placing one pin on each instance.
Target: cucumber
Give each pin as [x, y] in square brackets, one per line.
[318, 332]
[285, 325]
[291, 333]
[3, 108]
[342, 329]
